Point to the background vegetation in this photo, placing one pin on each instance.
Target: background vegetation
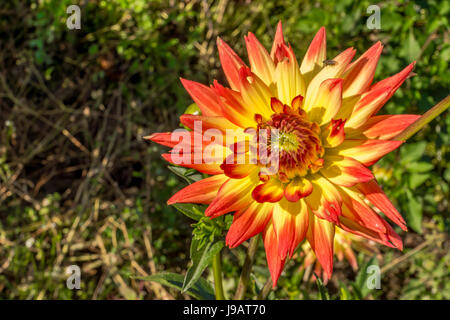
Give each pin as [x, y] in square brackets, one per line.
[78, 185]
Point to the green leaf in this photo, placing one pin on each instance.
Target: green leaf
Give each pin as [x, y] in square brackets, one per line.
[414, 214]
[190, 175]
[362, 277]
[201, 290]
[322, 289]
[193, 211]
[201, 257]
[420, 166]
[416, 179]
[412, 152]
[412, 47]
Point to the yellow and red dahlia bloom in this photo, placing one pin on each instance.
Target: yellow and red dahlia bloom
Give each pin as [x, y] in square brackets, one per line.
[327, 133]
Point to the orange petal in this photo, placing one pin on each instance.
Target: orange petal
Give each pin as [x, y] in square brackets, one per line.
[378, 198]
[248, 223]
[255, 93]
[205, 97]
[289, 81]
[383, 127]
[345, 171]
[261, 63]
[328, 72]
[233, 107]
[203, 191]
[220, 123]
[270, 191]
[365, 151]
[327, 102]
[231, 63]
[208, 168]
[290, 222]
[359, 74]
[320, 236]
[163, 138]
[325, 200]
[274, 261]
[394, 81]
[298, 188]
[316, 53]
[369, 103]
[278, 40]
[235, 194]
[334, 134]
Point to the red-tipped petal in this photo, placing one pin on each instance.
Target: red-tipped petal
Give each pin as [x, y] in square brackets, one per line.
[203, 191]
[248, 223]
[297, 189]
[365, 151]
[383, 127]
[320, 236]
[345, 171]
[278, 40]
[205, 97]
[270, 191]
[359, 74]
[235, 194]
[260, 61]
[274, 261]
[325, 200]
[231, 63]
[378, 198]
[316, 53]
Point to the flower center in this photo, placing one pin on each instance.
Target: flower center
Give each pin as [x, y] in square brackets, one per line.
[295, 141]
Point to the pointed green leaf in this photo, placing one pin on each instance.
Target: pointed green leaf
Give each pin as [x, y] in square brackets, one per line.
[201, 290]
[201, 257]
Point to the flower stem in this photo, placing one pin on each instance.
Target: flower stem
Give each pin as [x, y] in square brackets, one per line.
[247, 267]
[423, 120]
[217, 271]
[265, 290]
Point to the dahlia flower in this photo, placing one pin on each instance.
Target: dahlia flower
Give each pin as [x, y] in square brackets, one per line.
[316, 177]
[345, 245]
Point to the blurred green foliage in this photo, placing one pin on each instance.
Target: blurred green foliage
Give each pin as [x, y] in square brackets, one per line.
[137, 50]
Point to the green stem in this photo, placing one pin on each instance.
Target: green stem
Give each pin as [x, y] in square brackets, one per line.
[265, 290]
[423, 120]
[246, 268]
[217, 271]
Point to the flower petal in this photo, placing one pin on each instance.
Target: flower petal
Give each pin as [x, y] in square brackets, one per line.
[369, 103]
[290, 222]
[365, 151]
[207, 123]
[274, 261]
[270, 191]
[345, 171]
[359, 74]
[233, 107]
[316, 54]
[205, 97]
[278, 40]
[383, 127]
[231, 63]
[203, 191]
[235, 194]
[320, 236]
[287, 76]
[261, 63]
[325, 200]
[327, 102]
[255, 93]
[396, 80]
[248, 223]
[208, 168]
[331, 71]
[298, 188]
[378, 198]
